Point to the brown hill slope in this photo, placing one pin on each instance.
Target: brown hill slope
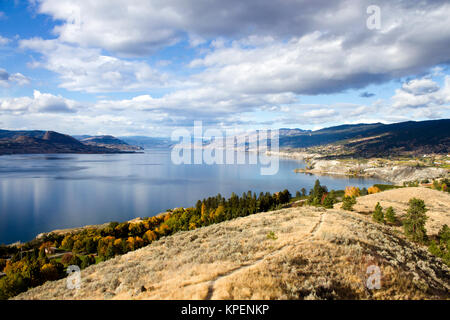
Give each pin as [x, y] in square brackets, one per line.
[310, 253]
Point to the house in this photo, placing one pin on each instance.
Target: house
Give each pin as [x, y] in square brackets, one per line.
[50, 250]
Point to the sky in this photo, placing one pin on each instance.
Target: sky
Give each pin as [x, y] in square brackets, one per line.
[147, 67]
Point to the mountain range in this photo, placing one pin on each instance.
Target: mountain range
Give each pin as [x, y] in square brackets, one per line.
[362, 140]
[27, 142]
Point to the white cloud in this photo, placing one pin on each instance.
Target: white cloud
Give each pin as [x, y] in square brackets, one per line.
[3, 40]
[421, 93]
[7, 79]
[420, 86]
[306, 47]
[39, 103]
[82, 69]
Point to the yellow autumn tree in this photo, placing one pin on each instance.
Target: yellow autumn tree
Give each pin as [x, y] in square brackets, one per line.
[352, 192]
[373, 189]
[192, 226]
[150, 236]
[204, 213]
[138, 242]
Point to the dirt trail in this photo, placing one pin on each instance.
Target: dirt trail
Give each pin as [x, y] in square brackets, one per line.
[246, 266]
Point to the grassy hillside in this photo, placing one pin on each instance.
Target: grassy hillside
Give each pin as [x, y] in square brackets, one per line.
[294, 253]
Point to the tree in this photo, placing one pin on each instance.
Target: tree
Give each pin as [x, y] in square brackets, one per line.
[67, 243]
[373, 189]
[414, 222]
[390, 215]
[378, 215]
[348, 203]
[352, 192]
[441, 247]
[78, 246]
[86, 261]
[328, 201]
[303, 190]
[49, 272]
[298, 194]
[150, 236]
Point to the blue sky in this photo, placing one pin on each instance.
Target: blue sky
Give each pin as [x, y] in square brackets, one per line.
[143, 67]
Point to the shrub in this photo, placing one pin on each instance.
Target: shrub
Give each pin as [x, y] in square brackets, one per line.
[373, 190]
[49, 272]
[66, 258]
[390, 215]
[86, 261]
[271, 235]
[384, 187]
[348, 203]
[414, 222]
[441, 247]
[378, 215]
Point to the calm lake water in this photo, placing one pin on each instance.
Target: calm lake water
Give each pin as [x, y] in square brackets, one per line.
[40, 193]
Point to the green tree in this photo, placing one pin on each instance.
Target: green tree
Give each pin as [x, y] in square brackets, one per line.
[378, 215]
[414, 222]
[303, 190]
[328, 201]
[348, 203]
[390, 215]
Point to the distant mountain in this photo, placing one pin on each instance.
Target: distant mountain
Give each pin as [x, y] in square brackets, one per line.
[27, 142]
[326, 135]
[148, 142]
[369, 140]
[109, 142]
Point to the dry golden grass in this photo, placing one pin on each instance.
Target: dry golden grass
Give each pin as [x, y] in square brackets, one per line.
[315, 254]
[437, 202]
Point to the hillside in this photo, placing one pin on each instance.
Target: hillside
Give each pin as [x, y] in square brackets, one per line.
[377, 140]
[34, 142]
[109, 142]
[293, 253]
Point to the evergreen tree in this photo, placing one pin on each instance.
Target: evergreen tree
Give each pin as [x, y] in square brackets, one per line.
[348, 203]
[303, 192]
[414, 222]
[390, 215]
[378, 215]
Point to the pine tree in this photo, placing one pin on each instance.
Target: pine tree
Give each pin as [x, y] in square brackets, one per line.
[390, 215]
[348, 203]
[414, 222]
[378, 215]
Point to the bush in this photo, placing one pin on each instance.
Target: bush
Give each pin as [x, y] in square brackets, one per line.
[378, 215]
[348, 203]
[66, 258]
[441, 247]
[384, 187]
[86, 261]
[49, 272]
[414, 222]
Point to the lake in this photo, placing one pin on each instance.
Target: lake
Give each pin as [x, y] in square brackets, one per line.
[41, 193]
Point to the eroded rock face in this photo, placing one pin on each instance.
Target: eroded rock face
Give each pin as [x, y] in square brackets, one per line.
[315, 254]
[395, 174]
